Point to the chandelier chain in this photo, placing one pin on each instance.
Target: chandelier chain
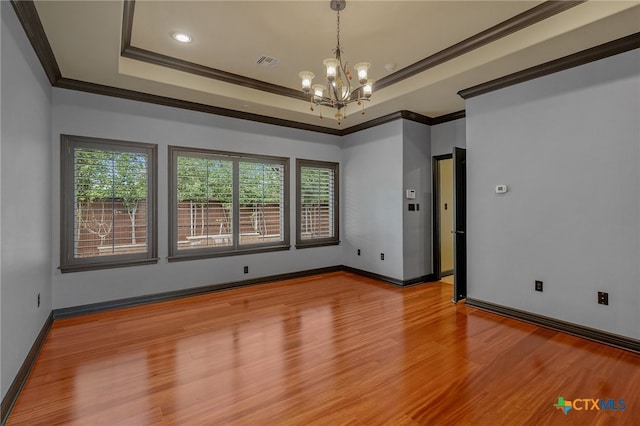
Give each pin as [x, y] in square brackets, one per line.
[338, 29]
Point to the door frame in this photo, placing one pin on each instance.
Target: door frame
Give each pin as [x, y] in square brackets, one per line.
[460, 224]
[435, 232]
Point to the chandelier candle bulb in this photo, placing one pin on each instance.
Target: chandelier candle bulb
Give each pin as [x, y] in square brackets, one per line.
[332, 65]
[307, 77]
[318, 92]
[362, 68]
[367, 89]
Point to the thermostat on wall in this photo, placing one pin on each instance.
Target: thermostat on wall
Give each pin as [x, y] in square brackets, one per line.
[411, 194]
[501, 189]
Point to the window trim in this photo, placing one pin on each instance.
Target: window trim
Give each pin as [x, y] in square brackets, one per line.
[318, 242]
[175, 254]
[68, 263]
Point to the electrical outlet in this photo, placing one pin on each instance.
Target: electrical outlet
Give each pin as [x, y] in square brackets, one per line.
[603, 298]
[381, 256]
[246, 269]
[538, 285]
[358, 252]
[38, 300]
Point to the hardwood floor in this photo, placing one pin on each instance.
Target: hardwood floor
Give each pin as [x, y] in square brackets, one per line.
[329, 350]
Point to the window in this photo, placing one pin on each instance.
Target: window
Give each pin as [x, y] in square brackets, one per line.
[108, 203]
[226, 203]
[316, 204]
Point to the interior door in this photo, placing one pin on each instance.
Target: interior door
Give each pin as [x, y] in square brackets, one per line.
[460, 224]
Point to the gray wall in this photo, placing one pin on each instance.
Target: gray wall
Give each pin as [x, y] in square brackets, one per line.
[379, 164]
[417, 224]
[447, 135]
[568, 146]
[372, 176]
[25, 227]
[98, 116]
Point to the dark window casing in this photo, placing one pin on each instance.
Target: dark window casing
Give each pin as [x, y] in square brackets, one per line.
[225, 203]
[108, 209]
[317, 203]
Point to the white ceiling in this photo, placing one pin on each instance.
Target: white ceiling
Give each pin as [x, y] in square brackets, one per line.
[86, 39]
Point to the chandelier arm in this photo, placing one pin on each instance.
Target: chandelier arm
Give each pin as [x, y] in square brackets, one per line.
[332, 91]
[346, 77]
[357, 92]
[353, 97]
[323, 102]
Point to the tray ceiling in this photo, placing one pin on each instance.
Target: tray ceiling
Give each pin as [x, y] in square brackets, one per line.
[422, 52]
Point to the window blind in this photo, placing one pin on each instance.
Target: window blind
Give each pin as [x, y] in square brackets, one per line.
[317, 202]
[261, 202]
[204, 202]
[226, 203]
[110, 202]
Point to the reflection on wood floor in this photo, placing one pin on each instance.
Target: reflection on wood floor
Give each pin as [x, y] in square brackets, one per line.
[328, 350]
[448, 279]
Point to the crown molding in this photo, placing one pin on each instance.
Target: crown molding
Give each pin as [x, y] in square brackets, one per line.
[449, 117]
[407, 115]
[212, 73]
[503, 29]
[527, 18]
[98, 89]
[143, 55]
[602, 51]
[30, 21]
[127, 24]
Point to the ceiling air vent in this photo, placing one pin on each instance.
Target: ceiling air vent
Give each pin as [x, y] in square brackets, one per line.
[267, 61]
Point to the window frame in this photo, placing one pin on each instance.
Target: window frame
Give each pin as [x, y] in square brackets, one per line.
[236, 249]
[318, 242]
[68, 261]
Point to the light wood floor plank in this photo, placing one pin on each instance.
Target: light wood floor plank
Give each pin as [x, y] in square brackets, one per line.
[333, 349]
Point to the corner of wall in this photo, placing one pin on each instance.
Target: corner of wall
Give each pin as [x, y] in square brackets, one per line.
[25, 268]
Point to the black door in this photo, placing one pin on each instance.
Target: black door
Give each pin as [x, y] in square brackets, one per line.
[460, 224]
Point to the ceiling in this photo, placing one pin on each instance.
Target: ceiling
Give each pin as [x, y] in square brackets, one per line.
[422, 52]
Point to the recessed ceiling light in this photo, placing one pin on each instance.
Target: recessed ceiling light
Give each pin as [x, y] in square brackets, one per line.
[181, 37]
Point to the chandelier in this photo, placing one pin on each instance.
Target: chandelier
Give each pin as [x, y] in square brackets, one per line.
[338, 93]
